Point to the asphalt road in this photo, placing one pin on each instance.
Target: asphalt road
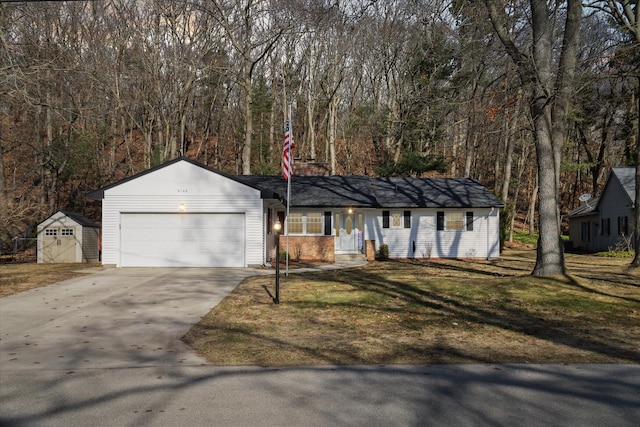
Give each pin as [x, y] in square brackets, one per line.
[103, 350]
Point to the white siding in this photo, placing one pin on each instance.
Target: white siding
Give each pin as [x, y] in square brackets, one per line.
[482, 242]
[185, 185]
[89, 244]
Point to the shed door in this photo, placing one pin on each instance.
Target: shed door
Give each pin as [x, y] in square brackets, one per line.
[182, 240]
[59, 244]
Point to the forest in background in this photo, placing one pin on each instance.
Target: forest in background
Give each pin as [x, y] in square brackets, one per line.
[92, 92]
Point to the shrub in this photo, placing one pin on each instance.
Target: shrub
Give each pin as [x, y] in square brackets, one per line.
[383, 252]
[616, 254]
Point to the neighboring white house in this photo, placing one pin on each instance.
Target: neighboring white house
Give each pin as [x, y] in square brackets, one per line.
[67, 237]
[605, 222]
[183, 213]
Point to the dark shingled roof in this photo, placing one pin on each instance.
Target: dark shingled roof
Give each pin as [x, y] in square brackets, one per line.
[433, 193]
[587, 208]
[367, 192]
[80, 219]
[316, 191]
[627, 177]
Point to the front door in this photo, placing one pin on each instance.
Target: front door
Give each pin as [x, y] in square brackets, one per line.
[347, 239]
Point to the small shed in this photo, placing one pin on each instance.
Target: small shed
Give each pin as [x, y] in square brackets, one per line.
[67, 237]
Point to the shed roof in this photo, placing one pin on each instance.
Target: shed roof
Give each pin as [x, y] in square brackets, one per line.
[79, 218]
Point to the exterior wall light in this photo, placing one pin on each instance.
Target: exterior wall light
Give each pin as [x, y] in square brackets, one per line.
[182, 208]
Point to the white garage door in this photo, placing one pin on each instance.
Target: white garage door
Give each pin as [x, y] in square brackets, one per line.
[182, 240]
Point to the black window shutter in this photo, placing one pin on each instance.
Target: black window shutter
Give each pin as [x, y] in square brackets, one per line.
[440, 220]
[407, 219]
[327, 223]
[385, 219]
[469, 221]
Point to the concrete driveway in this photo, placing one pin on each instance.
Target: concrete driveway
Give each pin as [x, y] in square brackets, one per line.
[116, 318]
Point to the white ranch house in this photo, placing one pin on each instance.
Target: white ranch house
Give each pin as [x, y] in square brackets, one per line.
[185, 214]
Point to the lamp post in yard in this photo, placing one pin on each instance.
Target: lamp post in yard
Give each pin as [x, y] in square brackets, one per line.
[277, 227]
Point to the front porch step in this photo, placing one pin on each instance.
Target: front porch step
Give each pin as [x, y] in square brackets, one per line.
[350, 257]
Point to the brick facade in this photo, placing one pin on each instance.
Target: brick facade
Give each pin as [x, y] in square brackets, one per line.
[310, 248]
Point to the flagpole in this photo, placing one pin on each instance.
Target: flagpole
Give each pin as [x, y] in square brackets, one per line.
[286, 270]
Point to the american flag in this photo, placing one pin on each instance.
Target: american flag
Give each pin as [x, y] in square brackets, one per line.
[287, 166]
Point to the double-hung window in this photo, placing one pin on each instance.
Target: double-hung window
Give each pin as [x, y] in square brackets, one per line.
[623, 226]
[314, 223]
[454, 221]
[306, 223]
[295, 223]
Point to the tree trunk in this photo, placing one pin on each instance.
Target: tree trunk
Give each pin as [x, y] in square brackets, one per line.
[246, 148]
[332, 131]
[551, 83]
[635, 264]
[550, 255]
[4, 206]
[531, 214]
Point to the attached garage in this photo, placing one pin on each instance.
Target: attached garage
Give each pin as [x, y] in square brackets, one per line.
[182, 240]
[182, 214]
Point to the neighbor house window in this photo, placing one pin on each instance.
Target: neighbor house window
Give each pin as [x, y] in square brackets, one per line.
[623, 225]
[606, 227]
[585, 231]
[407, 219]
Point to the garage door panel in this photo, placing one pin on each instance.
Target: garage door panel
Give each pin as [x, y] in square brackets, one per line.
[182, 240]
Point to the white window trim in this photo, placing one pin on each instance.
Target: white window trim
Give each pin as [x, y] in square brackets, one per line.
[447, 214]
[304, 217]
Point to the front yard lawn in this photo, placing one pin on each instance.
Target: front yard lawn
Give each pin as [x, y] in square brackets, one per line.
[20, 277]
[426, 312]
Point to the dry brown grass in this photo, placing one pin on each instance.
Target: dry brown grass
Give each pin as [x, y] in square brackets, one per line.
[445, 311]
[20, 277]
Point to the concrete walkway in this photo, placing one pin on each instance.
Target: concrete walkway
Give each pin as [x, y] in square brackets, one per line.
[104, 350]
